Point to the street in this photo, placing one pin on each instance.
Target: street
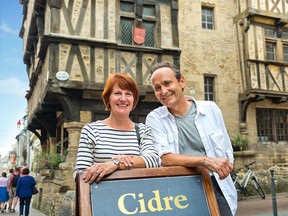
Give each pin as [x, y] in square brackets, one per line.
[255, 206]
[33, 212]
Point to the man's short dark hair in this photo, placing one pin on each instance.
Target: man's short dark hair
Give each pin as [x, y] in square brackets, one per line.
[168, 65]
[25, 171]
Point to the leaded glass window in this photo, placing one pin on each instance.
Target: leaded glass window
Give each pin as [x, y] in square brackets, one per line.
[272, 125]
[129, 20]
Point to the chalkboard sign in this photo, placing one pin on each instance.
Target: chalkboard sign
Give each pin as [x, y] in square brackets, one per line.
[157, 191]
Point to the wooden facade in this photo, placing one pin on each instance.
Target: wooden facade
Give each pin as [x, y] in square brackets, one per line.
[262, 78]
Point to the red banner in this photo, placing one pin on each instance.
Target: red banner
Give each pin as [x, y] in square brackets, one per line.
[139, 35]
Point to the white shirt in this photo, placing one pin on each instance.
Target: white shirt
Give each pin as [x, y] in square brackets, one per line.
[210, 125]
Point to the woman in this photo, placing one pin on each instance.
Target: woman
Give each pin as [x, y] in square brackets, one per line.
[111, 144]
[24, 190]
[4, 195]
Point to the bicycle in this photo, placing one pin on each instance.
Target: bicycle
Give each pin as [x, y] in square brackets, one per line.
[241, 184]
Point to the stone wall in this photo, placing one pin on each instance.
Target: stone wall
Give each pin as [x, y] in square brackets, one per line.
[267, 157]
[56, 192]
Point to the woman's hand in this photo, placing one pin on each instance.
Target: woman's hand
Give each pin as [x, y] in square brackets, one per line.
[126, 160]
[98, 170]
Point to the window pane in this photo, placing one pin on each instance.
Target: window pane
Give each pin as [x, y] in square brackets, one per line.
[127, 7]
[285, 35]
[149, 11]
[209, 19]
[285, 53]
[126, 31]
[270, 33]
[149, 39]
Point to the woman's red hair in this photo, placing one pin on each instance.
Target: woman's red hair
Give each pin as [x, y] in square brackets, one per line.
[125, 82]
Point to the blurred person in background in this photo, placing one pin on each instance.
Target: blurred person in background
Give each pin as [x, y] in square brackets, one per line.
[24, 190]
[4, 194]
[13, 180]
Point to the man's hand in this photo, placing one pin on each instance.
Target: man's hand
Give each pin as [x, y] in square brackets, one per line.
[221, 166]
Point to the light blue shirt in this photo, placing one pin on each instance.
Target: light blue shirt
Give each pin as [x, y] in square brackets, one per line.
[210, 125]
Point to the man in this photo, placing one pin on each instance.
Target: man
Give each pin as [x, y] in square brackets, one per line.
[192, 133]
[13, 179]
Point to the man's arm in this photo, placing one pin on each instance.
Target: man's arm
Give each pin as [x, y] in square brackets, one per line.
[221, 166]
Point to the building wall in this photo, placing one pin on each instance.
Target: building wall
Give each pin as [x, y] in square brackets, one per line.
[211, 52]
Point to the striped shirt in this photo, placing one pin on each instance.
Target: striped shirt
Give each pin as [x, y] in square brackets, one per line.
[99, 143]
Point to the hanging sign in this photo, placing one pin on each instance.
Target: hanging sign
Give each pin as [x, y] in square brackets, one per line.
[139, 35]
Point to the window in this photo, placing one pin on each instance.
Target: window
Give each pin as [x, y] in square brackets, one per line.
[129, 20]
[207, 18]
[209, 88]
[272, 125]
[280, 41]
[285, 53]
[270, 33]
[271, 51]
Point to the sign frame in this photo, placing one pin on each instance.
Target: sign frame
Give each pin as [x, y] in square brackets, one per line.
[83, 200]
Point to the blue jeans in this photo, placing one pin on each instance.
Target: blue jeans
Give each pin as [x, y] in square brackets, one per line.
[25, 201]
[221, 201]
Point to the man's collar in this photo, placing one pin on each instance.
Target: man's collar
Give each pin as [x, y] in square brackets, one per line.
[165, 112]
[199, 109]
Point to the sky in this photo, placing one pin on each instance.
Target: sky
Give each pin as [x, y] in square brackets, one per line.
[13, 76]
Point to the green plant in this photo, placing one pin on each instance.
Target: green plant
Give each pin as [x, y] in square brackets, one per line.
[239, 143]
[48, 161]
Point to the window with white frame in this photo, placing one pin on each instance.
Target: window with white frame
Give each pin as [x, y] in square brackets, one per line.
[209, 93]
[208, 18]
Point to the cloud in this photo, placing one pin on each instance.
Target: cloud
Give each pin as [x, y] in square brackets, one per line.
[7, 29]
[13, 87]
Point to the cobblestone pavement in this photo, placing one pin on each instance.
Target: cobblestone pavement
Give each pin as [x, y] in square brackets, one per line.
[255, 206]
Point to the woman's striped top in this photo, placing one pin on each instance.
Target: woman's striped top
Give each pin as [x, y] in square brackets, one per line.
[99, 143]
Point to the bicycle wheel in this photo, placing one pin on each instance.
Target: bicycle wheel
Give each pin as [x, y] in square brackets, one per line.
[239, 191]
[258, 188]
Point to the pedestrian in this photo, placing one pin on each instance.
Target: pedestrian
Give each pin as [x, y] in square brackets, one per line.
[24, 190]
[11, 196]
[112, 144]
[192, 133]
[4, 194]
[13, 180]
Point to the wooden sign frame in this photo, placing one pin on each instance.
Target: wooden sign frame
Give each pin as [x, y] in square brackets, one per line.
[83, 200]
